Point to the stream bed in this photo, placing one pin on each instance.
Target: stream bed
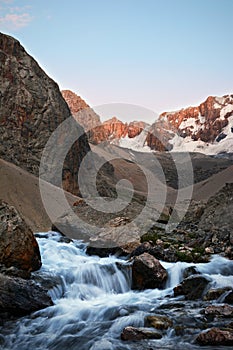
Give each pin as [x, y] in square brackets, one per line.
[93, 302]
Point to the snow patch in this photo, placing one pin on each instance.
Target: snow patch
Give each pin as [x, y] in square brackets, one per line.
[220, 100]
[225, 110]
[201, 118]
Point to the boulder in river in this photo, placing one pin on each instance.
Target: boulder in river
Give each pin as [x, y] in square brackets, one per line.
[20, 297]
[216, 336]
[219, 310]
[147, 272]
[158, 322]
[214, 294]
[18, 246]
[192, 287]
[133, 333]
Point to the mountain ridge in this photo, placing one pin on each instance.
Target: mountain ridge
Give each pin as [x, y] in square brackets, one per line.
[206, 128]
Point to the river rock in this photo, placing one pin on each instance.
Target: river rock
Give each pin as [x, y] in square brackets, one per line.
[215, 336]
[229, 298]
[219, 310]
[189, 271]
[158, 322]
[20, 297]
[144, 247]
[216, 293]
[18, 246]
[192, 287]
[14, 272]
[147, 272]
[133, 333]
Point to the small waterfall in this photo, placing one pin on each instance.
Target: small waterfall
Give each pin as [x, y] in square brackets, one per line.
[175, 273]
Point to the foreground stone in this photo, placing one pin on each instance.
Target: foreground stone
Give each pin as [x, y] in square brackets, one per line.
[192, 287]
[133, 333]
[147, 272]
[215, 336]
[18, 246]
[19, 297]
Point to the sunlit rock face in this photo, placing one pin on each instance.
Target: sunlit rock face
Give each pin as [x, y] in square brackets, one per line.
[205, 123]
[31, 108]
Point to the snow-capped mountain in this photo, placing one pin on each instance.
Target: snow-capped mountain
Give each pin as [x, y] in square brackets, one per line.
[207, 128]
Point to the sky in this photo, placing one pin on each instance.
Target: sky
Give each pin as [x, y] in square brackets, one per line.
[159, 54]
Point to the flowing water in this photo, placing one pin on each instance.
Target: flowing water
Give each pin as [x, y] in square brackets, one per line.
[94, 302]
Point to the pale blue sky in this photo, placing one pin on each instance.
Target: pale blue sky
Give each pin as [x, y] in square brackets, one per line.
[161, 54]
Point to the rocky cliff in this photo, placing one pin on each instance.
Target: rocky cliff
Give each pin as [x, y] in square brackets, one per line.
[81, 111]
[31, 108]
[110, 130]
[113, 130]
[195, 127]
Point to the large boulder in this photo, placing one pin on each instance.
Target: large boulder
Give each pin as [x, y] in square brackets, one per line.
[20, 297]
[147, 272]
[18, 246]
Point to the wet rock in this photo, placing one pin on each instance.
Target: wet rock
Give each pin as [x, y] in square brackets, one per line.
[158, 322]
[20, 297]
[215, 336]
[103, 252]
[219, 310]
[189, 271]
[147, 272]
[214, 294]
[133, 333]
[123, 250]
[229, 298]
[192, 287]
[172, 305]
[14, 272]
[18, 246]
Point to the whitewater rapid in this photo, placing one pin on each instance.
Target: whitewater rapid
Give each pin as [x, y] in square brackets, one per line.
[93, 301]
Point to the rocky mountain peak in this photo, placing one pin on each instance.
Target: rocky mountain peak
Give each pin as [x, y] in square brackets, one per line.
[81, 111]
[112, 129]
[75, 102]
[208, 123]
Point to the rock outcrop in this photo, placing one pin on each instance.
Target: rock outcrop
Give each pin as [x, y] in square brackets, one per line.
[18, 246]
[31, 108]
